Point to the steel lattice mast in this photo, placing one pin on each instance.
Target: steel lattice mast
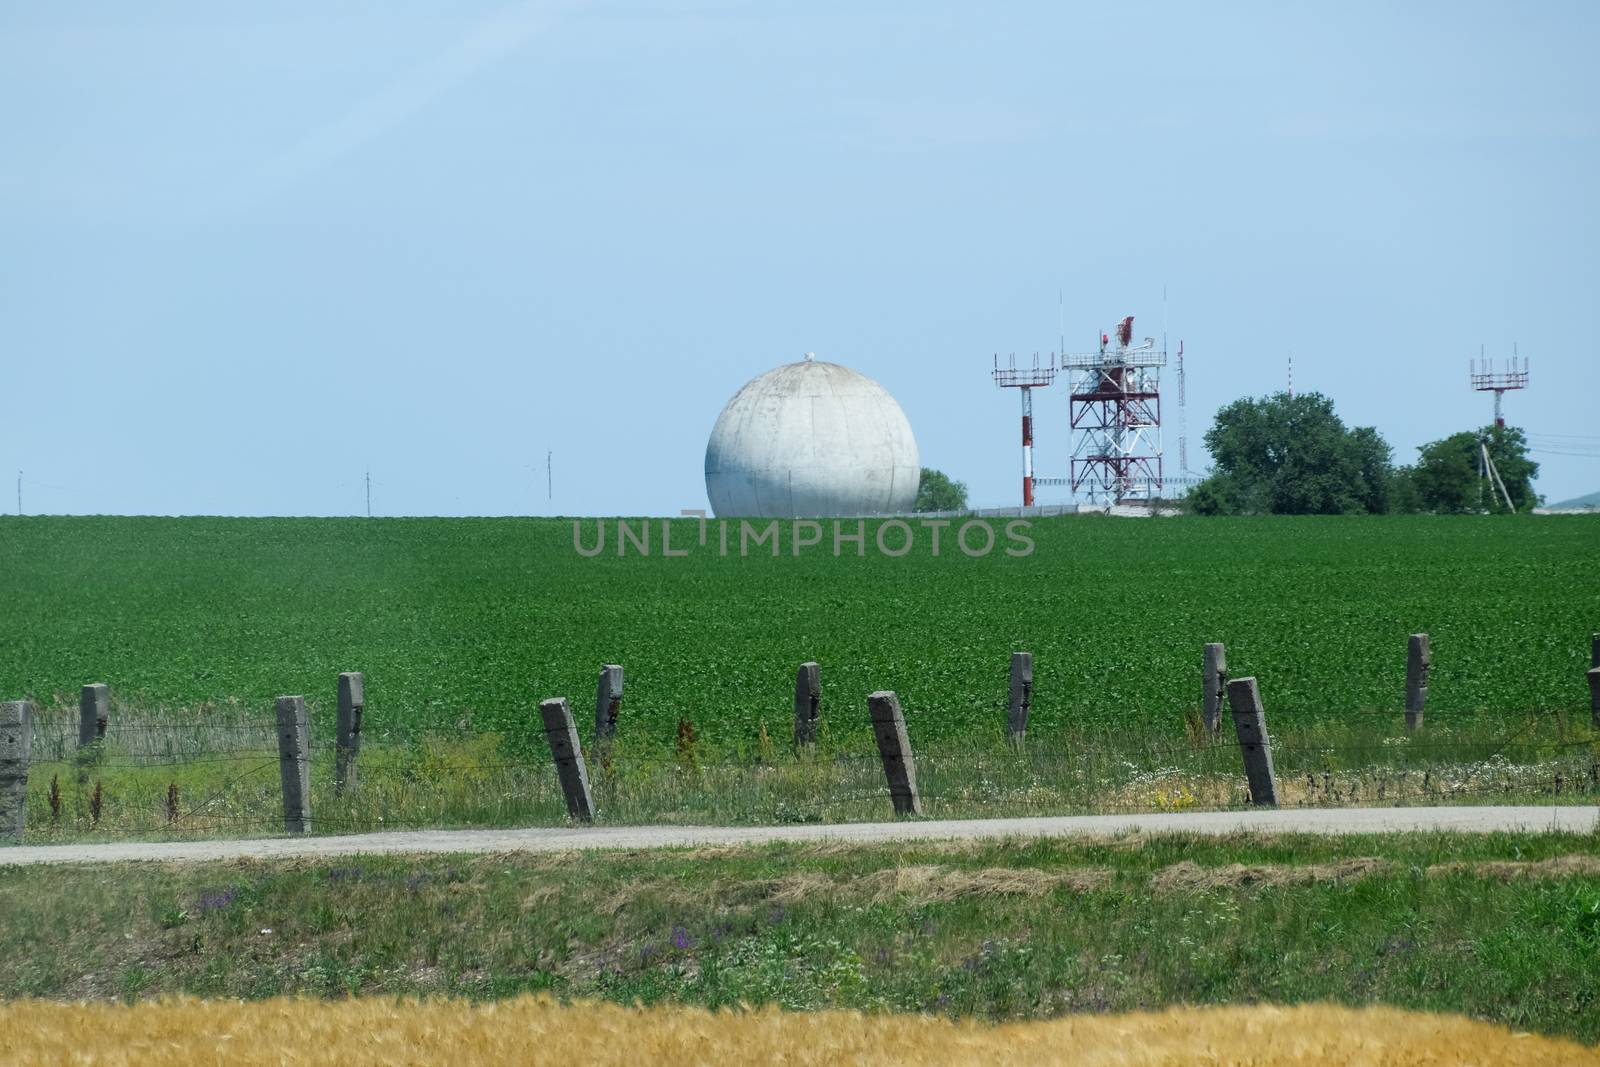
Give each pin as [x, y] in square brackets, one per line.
[1115, 413]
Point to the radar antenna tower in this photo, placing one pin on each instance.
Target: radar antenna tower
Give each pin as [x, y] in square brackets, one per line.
[1115, 411]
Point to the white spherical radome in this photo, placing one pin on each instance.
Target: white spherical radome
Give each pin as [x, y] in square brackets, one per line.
[811, 439]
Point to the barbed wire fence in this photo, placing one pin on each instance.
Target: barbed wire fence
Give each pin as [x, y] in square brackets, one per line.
[233, 771]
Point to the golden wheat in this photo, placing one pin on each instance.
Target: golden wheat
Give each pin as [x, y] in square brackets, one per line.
[529, 1029]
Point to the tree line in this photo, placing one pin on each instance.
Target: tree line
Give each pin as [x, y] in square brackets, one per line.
[1293, 455]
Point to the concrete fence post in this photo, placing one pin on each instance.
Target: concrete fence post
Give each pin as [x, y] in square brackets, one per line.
[607, 702]
[1020, 699]
[294, 764]
[16, 749]
[894, 746]
[94, 713]
[352, 702]
[1419, 661]
[1214, 684]
[807, 704]
[562, 733]
[1250, 725]
[1594, 697]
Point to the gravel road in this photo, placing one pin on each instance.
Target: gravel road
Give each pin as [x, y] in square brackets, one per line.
[1571, 819]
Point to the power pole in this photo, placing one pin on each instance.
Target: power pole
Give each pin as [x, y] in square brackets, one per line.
[369, 494]
[549, 476]
[19, 494]
[1483, 473]
[1493, 476]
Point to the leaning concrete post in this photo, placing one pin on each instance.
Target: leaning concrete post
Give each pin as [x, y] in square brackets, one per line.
[562, 733]
[352, 702]
[1214, 684]
[889, 725]
[1594, 697]
[94, 712]
[1020, 701]
[1250, 724]
[1419, 660]
[16, 749]
[294, 764]
[807, 704]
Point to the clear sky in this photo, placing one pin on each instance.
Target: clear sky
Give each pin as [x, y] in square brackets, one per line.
[250, 251]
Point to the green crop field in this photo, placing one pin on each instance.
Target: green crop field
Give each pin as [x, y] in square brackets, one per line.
[472, 621]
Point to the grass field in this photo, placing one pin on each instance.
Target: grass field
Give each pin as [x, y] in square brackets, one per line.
[352, 1033]
[1502, 928]
[462, 625]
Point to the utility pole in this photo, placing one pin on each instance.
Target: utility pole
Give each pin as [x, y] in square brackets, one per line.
[549, 476]
[369, 494]
[1493, 476]
[1483, 473]
[19, 494]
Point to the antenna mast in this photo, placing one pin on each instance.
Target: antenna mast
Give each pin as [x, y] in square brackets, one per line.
[1486, 380]
[1024, 381]
[1183, 425]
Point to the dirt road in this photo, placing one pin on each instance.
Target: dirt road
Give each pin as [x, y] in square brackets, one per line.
[1570, 819]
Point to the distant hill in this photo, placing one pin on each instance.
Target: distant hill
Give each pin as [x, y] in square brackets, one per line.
[1590, 501]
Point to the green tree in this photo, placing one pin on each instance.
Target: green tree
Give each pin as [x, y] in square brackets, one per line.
[1446, 474]
[939, 492]
[1403, 496]
[1218, 494]
[1292, 455]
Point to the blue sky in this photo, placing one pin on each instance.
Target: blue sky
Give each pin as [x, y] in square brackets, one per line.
[248, 252]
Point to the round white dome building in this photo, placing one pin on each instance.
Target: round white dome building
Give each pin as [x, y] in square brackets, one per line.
[811, 438]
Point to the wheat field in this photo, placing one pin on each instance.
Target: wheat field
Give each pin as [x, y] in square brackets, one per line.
[531, 1029]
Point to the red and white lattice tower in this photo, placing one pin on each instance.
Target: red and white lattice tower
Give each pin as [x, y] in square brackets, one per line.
[1024, 381]
[1115, 412]
[1485, 379]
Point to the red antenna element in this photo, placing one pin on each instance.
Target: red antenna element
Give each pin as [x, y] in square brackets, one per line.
[1125, 332]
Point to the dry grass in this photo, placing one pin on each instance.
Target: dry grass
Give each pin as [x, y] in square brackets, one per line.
[911, 885]
[1188, 876]
[1506, 870]
[928, 884]
[531, 1030]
